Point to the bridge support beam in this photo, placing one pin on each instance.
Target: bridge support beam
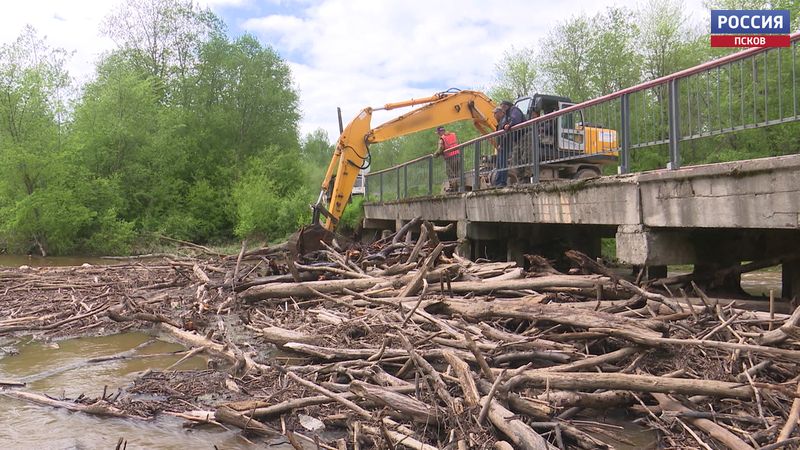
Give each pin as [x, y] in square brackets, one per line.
[642, 246]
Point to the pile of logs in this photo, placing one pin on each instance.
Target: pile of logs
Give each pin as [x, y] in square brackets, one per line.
[403, 343]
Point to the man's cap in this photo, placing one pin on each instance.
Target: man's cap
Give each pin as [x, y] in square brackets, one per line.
[440, 130]
[506, 103]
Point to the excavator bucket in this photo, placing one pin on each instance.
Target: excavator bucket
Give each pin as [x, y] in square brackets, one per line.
[307, 240]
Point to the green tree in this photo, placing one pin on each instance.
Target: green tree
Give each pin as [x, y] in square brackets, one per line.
[566, 58]
[615, 63]
[668, 41]
[516, 74]
[162, 37]
[48, 202]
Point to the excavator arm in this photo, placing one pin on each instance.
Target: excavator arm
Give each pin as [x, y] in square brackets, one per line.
[352, 149]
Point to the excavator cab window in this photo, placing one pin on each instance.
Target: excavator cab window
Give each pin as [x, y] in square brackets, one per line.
[525, 104]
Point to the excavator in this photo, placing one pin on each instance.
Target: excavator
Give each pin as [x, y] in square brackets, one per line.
[352, 150]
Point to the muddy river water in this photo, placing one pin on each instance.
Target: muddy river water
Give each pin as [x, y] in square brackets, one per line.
[29, 426]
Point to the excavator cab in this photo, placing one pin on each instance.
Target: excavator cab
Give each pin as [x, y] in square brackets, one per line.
[569, 136]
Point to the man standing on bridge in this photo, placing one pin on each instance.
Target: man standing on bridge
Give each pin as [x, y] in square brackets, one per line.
[517, 152]
[452, 157]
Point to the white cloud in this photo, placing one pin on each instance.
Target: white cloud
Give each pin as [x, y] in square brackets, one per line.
[357, 53]
[73, 26]
[348, 53]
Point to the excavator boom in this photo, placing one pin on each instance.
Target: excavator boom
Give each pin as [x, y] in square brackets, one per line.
[352, 147]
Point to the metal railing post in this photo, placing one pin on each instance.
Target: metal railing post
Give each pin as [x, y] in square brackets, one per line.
[405, 181]
[366, 188]
[476, 160]
[397, 174]
[625, 132]
[674, 126]
[430, 175]
[381, 188]
[535, 157]
[462, 176]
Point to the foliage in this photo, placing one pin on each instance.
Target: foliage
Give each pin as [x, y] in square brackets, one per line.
[353, 215]
[270, 207]
[517, 74]
[183, 132]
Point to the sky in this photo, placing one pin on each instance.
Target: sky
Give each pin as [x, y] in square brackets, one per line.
[345, 53]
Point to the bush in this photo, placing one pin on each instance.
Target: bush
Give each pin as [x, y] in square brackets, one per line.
[353, 215]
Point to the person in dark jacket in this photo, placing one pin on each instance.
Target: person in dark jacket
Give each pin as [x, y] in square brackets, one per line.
[503, 147]
[513, 115]
[517, 150]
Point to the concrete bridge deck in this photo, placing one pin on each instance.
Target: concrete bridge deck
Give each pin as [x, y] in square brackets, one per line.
[711, 215]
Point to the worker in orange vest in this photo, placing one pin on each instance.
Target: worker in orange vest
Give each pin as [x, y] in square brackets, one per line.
[448, 146]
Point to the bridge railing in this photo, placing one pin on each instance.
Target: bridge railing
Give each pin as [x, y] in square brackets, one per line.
[753, 88]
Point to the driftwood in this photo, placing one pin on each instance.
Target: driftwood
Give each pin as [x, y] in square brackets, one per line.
[403, 404]
[717, 432]
[644, 383]
[97, 408]
[406, 345]
[228, 416]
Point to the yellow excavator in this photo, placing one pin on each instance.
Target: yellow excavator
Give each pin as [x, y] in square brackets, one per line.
[352, 150]
[353, 145]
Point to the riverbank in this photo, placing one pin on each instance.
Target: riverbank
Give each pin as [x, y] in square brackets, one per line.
[404, 343]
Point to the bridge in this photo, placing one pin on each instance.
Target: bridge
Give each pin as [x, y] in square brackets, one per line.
[709, 215]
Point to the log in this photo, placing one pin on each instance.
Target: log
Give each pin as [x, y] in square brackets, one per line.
[428, 371]
[301, 290]
[517, 341]
[335, 354]
[715, 431]
[416, 283]
[791, 421]
[592, 361]
[642, 383]
[336, 397]
[517, 431]
[264, 410]
[590, 264]
[281, 336]
[549, 282]
[600, 400]
[461, 369]
[190, 339]
[405, 405]
[98, 408]
[229, 416]
[557, 313]
[656, 341]
[784, 332]
[398, 438]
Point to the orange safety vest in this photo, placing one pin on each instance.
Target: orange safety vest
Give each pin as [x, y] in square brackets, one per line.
[450, 140]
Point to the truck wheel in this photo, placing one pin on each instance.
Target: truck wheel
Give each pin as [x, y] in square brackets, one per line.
[586, 172]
